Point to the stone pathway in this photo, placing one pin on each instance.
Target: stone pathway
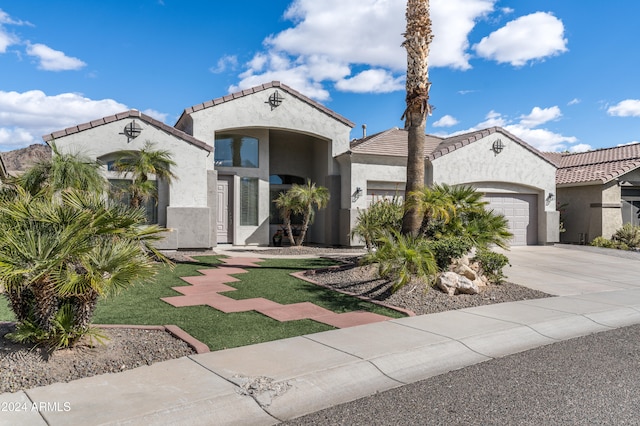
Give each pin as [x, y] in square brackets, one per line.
[205, 290]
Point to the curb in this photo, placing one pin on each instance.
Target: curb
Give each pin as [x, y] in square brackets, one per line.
[174, 330]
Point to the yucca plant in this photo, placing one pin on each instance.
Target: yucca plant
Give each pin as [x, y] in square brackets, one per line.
[628, 237]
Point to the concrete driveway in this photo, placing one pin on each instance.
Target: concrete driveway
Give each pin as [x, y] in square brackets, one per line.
[565, 270]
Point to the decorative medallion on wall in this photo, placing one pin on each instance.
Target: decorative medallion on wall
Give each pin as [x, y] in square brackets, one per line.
[275, 100]
[132, 130]
[497, 146]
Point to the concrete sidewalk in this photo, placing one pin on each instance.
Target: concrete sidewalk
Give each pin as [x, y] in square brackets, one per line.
[265, 383]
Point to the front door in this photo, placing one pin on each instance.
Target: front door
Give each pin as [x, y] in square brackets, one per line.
[224, 221]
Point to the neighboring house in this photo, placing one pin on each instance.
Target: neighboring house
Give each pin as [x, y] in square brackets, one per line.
[598, 191]
[271, 136]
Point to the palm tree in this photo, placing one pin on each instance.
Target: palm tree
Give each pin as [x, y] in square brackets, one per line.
[306, 198]
[286, 205]
[432, 204]
[59, 254]
[418, 37]
[139, 164]
[62, 171]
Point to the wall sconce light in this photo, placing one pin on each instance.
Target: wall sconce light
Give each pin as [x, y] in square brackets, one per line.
[356, 194]
[549, 198]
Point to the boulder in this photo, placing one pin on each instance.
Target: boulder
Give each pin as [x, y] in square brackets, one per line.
[453, 283]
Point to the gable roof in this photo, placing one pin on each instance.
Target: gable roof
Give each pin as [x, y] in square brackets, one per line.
[124, 115]
[394, 142]
[597, 166]
[261, 88]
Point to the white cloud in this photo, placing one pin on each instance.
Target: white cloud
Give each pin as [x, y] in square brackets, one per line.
[628, 143]
[26, 116]
[626, 108]
[160, 116]
[581, 147]
[53, 60]
[574, 101]
[543, 139]
[539, 116]
[365, 35]
[225, 63]
[371, 81]
[528, 38]
[526, 129]
[446, 121]
[7, 38]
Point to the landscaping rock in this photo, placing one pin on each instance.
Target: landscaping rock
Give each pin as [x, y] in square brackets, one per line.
[453, 283]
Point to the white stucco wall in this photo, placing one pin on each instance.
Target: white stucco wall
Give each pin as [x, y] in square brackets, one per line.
[512, 170]
[187, 191]
[254, 111]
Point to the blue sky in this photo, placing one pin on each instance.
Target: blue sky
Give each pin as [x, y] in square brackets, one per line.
[561, 75]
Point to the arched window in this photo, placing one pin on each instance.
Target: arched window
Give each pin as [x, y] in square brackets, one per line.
[236, 151]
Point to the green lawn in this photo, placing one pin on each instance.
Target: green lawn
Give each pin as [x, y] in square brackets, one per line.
[141, 304]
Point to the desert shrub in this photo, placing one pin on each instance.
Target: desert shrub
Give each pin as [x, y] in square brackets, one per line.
[602, 242]
[382, 216]
[401, 258]
[448, 248]
[628, 235]
[492, 264]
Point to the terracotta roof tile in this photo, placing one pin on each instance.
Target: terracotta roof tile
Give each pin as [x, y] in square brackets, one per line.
[129, 114]
[260, 88]
[601, 165]
[392, 142]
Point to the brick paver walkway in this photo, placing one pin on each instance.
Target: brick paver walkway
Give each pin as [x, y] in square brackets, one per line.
[205, 290]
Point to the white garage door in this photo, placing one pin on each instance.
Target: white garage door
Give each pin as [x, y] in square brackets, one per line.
[381, 190]
[521, 212]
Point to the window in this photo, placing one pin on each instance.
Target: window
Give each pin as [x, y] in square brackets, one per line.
[236, 151]
[120, 192]
[248, 201]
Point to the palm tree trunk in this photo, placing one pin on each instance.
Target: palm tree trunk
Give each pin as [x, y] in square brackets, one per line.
[83, 309]
[417, 40]
[46, 306]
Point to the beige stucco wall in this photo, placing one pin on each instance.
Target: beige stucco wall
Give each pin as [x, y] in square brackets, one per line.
[189, 188]
[515, 169]
[296, 138]
[590, 211]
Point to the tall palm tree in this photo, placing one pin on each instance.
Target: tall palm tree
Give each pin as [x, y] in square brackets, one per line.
[418, 38]
[139, 164]
[306, 199]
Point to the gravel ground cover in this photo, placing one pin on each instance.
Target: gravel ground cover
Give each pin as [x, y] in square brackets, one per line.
[24, 367]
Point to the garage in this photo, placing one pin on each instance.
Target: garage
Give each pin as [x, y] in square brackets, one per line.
[377, 191]
[521, 212]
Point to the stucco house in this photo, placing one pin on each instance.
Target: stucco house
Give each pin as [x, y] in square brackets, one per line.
[235, 153]
[598, 191]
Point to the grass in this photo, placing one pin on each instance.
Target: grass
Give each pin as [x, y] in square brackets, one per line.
[141, 304]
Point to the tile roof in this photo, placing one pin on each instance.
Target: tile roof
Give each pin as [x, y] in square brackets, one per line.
[124, 115]
[601, 165]
[393, 142]
[261, 88]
